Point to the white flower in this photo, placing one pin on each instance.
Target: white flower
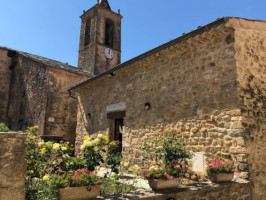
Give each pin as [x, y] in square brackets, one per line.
[82, 147]
[87, 143]
[96, 148]
[41, 144]
[56, 146]
[100, 136]
[96, 141]
[64, 148]
[46, 177]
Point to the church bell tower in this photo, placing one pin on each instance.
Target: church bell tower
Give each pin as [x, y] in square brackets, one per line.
[100, 38]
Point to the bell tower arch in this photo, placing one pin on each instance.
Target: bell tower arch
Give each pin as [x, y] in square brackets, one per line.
[100, 38]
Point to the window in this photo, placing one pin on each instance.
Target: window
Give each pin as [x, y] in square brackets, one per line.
[87, 33]
[109, 33]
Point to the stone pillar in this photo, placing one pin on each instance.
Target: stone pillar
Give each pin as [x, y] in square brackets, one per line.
[12, 166]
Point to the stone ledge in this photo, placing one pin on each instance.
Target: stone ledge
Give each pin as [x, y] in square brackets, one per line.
[13, 135]
[203, 191]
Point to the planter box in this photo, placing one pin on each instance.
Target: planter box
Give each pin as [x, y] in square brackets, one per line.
[222, 177]
[79, 193]
[159, 184]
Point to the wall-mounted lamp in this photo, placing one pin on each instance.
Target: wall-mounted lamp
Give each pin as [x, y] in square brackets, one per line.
[89, 115]
[111, 74]
[147, 106]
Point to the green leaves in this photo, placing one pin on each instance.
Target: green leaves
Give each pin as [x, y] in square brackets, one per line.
[3, 128]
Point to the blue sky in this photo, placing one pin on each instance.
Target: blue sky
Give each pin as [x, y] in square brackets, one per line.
[50, 28]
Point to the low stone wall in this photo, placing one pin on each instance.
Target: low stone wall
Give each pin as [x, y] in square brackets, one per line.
[200, 191]
[12, 166]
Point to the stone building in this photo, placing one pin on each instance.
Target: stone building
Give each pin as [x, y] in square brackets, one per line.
[209, 85]
[34, 91]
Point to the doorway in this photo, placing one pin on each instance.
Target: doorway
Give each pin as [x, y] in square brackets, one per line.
[118, 134]
[116, 128]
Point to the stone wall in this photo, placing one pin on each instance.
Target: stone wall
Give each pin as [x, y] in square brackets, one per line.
[200, 191]
[28, 99]
[61, 109]
[12, 166]
[251, 66]
[33, 93]
[5, 77]
[191, 84]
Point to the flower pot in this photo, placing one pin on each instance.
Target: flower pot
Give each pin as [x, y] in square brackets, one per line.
[159, 184]
[79, 193]
[221, 177]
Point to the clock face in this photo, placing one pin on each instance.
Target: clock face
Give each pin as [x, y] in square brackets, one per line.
[109, 53]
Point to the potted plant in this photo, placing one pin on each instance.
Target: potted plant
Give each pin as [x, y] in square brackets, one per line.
[75, 185]
[168, 152]
[219, 171]
[161, 178]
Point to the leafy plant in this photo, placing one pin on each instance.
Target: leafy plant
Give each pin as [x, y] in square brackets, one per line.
[3, 128]
[166, 149]
[42, 155]
[93, 151]
[114, 156]
[78, 178]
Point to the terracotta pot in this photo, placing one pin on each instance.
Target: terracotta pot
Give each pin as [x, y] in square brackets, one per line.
[159, 184]
[222, 177]
[79, 193]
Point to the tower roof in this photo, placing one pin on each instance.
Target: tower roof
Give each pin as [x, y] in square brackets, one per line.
[104, 3]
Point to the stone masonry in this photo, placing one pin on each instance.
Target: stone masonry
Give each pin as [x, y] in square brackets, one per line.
[211, 80]
[12, 166]
[34, 91]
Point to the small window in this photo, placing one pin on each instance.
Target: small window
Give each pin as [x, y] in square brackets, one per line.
[109, 33]
[87, 33]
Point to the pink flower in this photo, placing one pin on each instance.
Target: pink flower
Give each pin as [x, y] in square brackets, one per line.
[83, 170]
[87, 171]
[142, 171]
[78, 170]
[98, 182]
[50, 169]
[183, 167]
[93, 173]
[216, 167]
[60, 171]
[210, 166]
[147, 175]
[234, 170]
[150, 166]
[77, 176]
[170, 177]
[226, 169]
[229, 163]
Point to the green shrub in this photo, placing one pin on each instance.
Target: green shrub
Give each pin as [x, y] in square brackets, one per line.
[3, 128]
